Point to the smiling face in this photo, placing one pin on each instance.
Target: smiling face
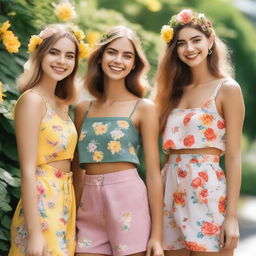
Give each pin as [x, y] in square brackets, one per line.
[59, 60]
[118, 59]
[193, 46]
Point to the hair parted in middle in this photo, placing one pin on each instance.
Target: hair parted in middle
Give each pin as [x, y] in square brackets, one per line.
[135, 82]
[65, 89]
[173, 75]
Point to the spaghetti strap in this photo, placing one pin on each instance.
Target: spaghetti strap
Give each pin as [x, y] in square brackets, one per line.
[88, 109]
[134, 108]
[215, 93]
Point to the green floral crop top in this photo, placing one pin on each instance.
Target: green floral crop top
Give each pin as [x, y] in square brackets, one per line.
[108, 139]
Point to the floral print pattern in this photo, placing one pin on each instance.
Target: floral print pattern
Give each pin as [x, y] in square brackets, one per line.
[126, 220]
[56, 207]
[193, 184]
[108, 140]
[195, 128]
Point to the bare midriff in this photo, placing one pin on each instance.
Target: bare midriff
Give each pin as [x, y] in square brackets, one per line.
[208, 151]
[104, 168]
[63, 165]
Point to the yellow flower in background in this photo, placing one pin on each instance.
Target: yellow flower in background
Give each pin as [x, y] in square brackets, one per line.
[92, 37]
[114, 146]
[65, 11]
[154, 6]
[84, 50]
[1, 92]
[10, 41]
[5, 26]
[167, 33]
[34, 42]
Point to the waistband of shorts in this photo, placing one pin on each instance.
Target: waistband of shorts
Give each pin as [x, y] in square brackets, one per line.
[193, 158]
[50, 171]
[111, 178]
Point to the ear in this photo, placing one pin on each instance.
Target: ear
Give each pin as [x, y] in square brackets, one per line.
[211, 40]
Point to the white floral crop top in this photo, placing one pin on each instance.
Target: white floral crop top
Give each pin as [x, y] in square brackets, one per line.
[200, 127]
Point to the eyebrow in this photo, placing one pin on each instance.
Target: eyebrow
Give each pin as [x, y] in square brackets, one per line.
[57, 50]
[192, 38]
[126, 52]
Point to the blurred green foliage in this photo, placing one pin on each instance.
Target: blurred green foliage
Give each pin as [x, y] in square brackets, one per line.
[28, 16]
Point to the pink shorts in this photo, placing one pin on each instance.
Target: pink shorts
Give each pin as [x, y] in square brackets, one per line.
[113, 217]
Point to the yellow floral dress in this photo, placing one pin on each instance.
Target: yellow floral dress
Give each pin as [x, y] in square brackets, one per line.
[55, 193]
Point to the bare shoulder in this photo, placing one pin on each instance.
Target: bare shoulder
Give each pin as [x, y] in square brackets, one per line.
[147, 106]
[230, 86]
[30, 103]
[82, 106]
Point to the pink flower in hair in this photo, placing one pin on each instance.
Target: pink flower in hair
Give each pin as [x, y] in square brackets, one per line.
[47, 32]
[185, 16]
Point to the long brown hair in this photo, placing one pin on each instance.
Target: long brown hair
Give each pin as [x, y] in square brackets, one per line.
[134, 82]
[173, 75]
[65, 89]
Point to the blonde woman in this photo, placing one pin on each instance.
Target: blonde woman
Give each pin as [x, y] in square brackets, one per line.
[44, 221]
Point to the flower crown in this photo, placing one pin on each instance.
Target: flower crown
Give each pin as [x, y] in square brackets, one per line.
[184, 17]
[36, 40]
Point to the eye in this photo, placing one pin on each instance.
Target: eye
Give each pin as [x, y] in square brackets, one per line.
[110, 52]
[70, 56]
[197, 40]
[180, 44]
[127, 56]
[52, 52]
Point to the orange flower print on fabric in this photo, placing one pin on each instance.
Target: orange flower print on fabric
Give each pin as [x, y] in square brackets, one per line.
[209, 134]
[220, 174]
[178, 198]
[197, 182]
[168, 144]
[178, 159]
[220, 124]
[203, 194]
[193, 246]
[203, 175]
[182, 173]
[189, 140]
[187, 118]
[207, 119]
[210, 229]
[193, 161]
[222, 204]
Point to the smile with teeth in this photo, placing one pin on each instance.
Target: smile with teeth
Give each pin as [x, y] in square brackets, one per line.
[192, 56]
[116, 68]
[59, 69]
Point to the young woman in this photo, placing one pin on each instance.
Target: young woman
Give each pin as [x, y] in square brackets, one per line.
[201, 112]
[44, 221]
[114, 217]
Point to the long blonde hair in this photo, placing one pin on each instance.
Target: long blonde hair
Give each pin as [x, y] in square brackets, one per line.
[65, 89]
[134, 82]
[173, 75]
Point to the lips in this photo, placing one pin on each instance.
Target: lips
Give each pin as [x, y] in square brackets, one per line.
[114, 68]
[59, 69]
[192, 56]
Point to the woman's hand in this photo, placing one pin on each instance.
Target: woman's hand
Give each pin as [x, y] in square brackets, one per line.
[154, 248]
[229, 233]
[36, 245]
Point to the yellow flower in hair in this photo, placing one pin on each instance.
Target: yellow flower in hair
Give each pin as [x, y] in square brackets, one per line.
[167, 33]
[10, 41]
[154, 5]
[84, 50]
[92, 37]
[5, 26]
[65, 11]
[34, 42]
[79, 34]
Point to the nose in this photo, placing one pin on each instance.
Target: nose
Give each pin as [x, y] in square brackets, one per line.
[118, 58]
[61, 59]
[190, 46]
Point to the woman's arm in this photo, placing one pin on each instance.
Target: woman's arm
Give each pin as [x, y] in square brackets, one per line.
[149, 127]
[28, 115]
[233, 110]
[77, 171]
